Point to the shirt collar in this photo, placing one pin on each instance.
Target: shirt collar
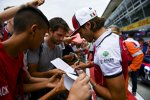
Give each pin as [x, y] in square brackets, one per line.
[96, 43]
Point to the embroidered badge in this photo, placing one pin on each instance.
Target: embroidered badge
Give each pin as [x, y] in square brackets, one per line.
[105, 53]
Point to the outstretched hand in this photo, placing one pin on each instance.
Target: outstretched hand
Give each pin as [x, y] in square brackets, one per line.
[82, 65]
[69, 39]
[78, 65]
[55, 71]
[54, 80]
[35, 3]
[60, 86]
[80, 89]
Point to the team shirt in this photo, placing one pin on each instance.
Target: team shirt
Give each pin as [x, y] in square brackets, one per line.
[108, 54]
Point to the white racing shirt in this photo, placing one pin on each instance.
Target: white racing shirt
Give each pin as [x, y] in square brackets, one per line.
[108, 54]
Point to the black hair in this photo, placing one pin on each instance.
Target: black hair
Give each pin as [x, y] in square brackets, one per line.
[28, 16]
[58, 22]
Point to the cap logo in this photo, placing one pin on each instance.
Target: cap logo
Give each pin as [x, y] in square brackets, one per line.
[90, 8]
[93, 14]
[82, 16]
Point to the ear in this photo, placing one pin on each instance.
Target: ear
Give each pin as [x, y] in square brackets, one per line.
[49, 32]
[33, 29]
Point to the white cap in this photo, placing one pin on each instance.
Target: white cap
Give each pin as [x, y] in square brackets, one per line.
[82, 16]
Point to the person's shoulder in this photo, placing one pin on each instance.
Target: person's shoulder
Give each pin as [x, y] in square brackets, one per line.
[113, 35]
[112, 40]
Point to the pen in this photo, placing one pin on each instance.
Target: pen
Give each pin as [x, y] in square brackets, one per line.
[76, 72]
[78, 62]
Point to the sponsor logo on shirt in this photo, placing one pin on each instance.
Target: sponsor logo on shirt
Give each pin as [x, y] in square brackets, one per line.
[4, 90]
[108, 60]
[105, 53]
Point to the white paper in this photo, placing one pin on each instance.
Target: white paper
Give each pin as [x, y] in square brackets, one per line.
[60, 64]
[68, 82]
[74, 77]
[69, 77]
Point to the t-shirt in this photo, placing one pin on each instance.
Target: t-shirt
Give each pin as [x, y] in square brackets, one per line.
[43, 56]
[108, 54]
[11, 75]
[67, 50]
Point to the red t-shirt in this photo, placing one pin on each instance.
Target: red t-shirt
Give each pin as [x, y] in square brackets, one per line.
[11, 75]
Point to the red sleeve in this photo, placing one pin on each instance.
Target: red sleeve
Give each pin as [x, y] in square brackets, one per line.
[4, 89]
